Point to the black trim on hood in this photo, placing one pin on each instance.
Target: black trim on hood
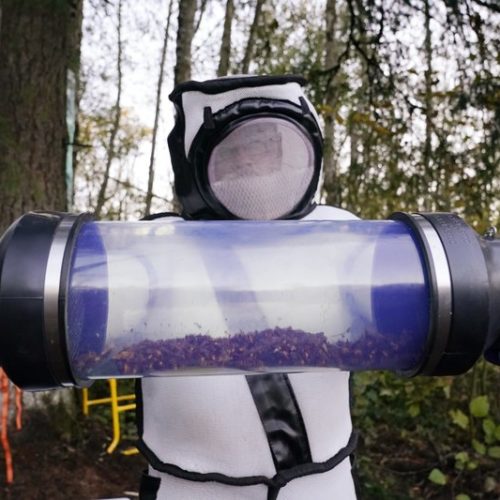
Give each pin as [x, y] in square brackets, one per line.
[219, 85]
[191, 183]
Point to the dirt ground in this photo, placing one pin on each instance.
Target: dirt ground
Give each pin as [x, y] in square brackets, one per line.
[68, 463]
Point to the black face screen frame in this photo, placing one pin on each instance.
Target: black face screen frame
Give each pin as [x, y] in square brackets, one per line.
[191, 175]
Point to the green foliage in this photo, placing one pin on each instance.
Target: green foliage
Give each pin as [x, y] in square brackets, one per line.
[437, 477]
[61, 410]
[479, 446]
[94, 131]
[384, 109]
[479, 406]
[489, 428]
[458, 417]
[424, 435]
[462, 460]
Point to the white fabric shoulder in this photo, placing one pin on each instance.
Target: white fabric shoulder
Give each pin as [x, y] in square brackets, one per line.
[325, 212]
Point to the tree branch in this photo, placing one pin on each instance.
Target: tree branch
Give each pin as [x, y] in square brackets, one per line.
[251, 37]
[111, 148]
[159, 87]
[203, 6]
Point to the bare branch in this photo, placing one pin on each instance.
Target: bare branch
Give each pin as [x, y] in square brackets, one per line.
[128, 185]
[203, 7]
[111, 148]
[159, 87]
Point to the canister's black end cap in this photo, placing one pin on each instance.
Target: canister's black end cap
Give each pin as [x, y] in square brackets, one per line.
[24, 254]
[470, 293]
[455, 350]
[491, 249]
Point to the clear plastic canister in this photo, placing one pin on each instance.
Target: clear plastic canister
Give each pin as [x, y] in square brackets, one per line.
[174, 297]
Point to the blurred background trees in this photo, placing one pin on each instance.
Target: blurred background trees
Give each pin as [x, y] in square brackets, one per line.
[409, 98]
[407, 91]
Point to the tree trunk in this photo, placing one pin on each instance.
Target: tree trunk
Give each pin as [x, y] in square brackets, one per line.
[39, 43]
[185, 33]
[245, 65]
[182, 70]
[115, 127]
[331, 184]
[428, 174]
[225, 48]
[149, 195]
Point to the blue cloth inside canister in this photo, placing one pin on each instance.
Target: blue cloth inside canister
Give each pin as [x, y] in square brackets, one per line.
[400, 306]
[87, 300]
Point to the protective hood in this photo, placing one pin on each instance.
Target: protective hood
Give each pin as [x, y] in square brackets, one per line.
[245, 148]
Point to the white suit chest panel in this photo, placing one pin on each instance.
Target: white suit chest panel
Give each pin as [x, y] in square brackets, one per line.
[210, 424]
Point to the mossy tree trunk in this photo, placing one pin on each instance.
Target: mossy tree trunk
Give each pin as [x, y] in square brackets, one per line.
[182, 69]
[39, 43]
[331, 184]
[225, 48]
[185, 34]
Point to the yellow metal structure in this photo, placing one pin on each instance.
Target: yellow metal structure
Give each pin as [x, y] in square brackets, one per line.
[116, 408]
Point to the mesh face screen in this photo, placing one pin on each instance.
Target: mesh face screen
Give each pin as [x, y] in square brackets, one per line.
[262, 169]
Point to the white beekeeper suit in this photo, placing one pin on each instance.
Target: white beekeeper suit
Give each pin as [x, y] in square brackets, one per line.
[247, 148]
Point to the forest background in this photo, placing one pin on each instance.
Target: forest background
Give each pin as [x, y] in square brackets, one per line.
[409, 97]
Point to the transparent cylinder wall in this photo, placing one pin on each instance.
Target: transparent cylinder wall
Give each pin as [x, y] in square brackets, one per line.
[184, 298]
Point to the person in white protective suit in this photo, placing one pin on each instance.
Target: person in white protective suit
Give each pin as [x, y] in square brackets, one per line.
[246, 148]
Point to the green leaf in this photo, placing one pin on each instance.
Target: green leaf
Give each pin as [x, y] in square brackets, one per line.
[447, 391]
[472, 465]
[489, 439]
[459, 418]
[462, 496]
[494, 452]
[497, 433]
[437, 477]
[479, 406]
[489, 427]
[414, 410]
[478, 446]
[461, 458]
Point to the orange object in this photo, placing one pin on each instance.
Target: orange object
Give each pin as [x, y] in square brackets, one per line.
[19, 408]
[4, 382]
